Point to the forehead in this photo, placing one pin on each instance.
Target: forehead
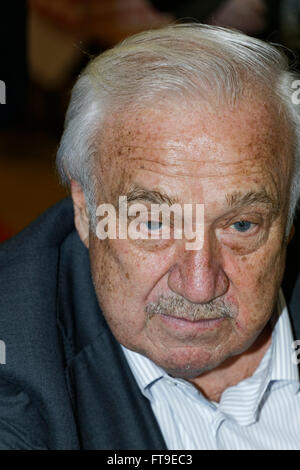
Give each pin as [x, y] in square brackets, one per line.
[179, 142]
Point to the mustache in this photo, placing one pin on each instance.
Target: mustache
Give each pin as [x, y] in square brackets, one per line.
[178, 306]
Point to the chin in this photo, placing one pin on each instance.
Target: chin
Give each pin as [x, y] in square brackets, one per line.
[188, 362]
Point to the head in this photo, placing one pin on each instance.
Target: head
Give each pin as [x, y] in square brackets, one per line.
[187, 114]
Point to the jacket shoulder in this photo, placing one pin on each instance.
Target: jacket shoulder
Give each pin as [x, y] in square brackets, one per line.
[32, 377]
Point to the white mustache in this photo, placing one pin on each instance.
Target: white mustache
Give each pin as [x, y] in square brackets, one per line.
[177, 306]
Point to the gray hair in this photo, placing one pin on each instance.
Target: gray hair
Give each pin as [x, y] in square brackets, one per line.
[184, 60]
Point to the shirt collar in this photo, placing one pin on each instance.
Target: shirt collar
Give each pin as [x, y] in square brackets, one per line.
[283, 368]
[144, 370]
[276, 369]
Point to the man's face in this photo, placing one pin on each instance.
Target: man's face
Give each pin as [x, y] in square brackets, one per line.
[189, 310]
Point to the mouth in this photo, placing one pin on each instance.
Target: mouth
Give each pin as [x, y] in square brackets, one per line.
[180, 323]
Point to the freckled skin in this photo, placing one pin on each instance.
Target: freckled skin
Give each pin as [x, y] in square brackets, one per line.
[197, 155]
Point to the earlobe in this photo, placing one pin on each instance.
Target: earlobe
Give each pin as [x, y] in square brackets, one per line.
[81, 219]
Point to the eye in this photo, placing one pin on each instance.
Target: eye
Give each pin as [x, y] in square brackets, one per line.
[153, 226]
[243, 225]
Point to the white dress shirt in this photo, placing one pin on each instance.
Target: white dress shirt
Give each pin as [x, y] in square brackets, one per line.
[260, 412]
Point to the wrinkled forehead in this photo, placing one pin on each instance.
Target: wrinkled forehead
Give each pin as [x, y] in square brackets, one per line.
[195, 138]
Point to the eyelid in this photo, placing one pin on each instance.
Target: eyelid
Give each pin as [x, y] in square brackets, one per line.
[253, 217]
[244, 220]
[164, 220]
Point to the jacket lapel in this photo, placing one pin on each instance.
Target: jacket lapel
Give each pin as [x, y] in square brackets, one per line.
[111, 411]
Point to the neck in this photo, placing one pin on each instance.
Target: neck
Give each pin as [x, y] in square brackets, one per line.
[234, 369]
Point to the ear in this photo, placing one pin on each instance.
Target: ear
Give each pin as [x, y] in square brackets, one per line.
[81, 218]
[292, 233]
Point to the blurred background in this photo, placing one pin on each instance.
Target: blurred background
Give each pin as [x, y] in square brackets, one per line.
[44, 44]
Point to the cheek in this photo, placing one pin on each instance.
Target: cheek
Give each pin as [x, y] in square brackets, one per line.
[123, 279]
[254, 283]
[129, 269]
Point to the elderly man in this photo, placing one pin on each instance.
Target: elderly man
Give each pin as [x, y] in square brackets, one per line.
[116, 341]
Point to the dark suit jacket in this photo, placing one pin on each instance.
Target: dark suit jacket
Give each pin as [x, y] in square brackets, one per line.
[66, 383]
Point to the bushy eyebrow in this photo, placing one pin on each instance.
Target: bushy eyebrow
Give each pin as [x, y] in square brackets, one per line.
[235, 200]
[138, 193]
[239, 199]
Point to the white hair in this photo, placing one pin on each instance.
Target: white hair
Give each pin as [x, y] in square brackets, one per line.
[187, 60]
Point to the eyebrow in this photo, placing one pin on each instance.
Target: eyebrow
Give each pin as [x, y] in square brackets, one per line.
[238, 199]
[235, 200]
[138, 193]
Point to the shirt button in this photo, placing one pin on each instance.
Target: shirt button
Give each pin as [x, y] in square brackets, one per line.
[172, 382]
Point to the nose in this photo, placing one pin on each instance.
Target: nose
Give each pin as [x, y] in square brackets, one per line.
[198, 276]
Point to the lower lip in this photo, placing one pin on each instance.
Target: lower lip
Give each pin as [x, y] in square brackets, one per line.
[183, 324]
